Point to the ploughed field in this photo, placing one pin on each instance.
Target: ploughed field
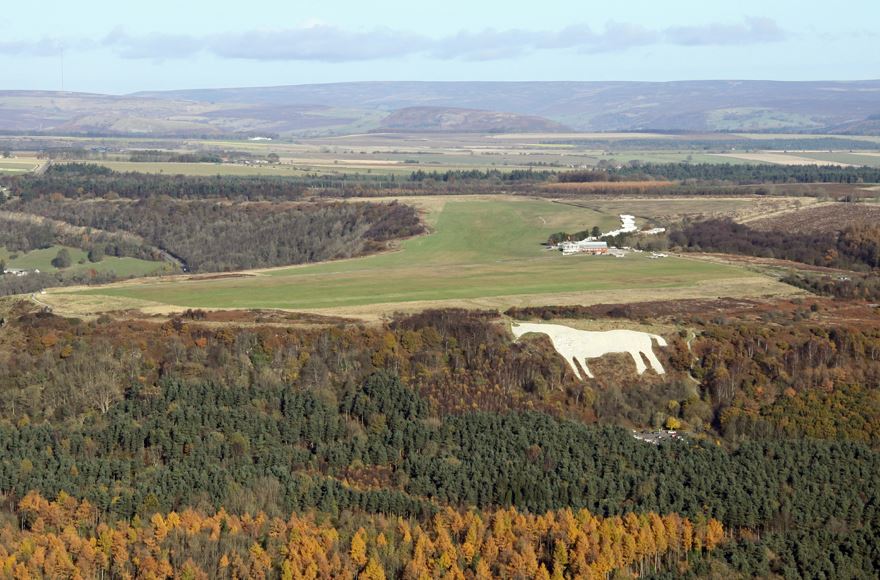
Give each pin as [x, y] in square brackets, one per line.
[480, 252]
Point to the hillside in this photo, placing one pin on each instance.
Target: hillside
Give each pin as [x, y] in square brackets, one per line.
[87, 113]
[448, 119]
[597, 106]
[838, 107]
[414, 413]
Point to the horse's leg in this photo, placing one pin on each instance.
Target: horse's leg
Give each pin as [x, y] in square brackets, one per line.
[587, 369]
[637, 357]
[655, 364]
[572, 362]
[569, 357]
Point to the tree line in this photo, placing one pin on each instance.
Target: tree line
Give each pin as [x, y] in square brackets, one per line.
[211, 237]
[497, 175]
[75, 180]
[157, 156]
[849, 287]
[855, 247]
[67, 537]
[24, 235]
[746, 173]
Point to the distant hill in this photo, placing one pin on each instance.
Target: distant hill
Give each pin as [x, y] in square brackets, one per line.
[454, 120]
[57, 112]
[597, 106]
[850, 107]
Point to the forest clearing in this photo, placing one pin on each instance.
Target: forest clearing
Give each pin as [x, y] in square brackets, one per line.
[478, 250]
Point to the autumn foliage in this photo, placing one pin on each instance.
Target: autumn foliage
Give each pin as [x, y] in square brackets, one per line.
[67, 538]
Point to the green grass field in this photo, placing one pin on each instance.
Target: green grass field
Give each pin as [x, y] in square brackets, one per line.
[479, 249]
[671, 157]
[42, 260]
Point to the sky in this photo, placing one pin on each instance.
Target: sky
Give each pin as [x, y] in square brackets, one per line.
[108, 46]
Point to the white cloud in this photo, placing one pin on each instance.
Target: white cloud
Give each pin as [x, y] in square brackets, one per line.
[42, 47]
[322, 42]
[750, 31]
[316, 42]
[156, 46]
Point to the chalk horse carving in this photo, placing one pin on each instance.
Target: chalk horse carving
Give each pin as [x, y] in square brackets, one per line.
[580, 345]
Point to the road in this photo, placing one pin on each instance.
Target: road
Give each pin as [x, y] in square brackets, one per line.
[169, 257]
[38, 302]
[42, 167]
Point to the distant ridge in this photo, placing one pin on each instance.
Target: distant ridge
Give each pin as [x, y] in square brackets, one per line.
[847, 107]
[456, 120]
[597, 106]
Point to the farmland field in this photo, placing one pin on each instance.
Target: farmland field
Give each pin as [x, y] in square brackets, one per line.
[777, 158]
[383, 154]
[203, 168]
[480, 250]
[19, 165]
[684, 156]
[871, 159]
[822, 218]
[843, 158]
[304, 167]
[669, 210]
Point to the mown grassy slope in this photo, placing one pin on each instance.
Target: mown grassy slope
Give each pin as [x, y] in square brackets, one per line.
[478, 249]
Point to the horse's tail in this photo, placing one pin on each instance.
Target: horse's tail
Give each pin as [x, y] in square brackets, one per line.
[660, 340]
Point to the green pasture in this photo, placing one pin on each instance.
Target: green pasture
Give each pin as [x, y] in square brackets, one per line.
[478, 249]
[42, 260]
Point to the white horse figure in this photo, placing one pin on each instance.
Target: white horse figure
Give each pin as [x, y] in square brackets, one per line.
[580, 345]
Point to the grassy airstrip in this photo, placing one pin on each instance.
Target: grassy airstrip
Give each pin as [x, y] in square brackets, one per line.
[478, 249]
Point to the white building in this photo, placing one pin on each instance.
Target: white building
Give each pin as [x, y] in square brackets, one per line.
[584, 247]
[17, 272]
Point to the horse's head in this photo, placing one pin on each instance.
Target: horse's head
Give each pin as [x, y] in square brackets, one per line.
[519, 329]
